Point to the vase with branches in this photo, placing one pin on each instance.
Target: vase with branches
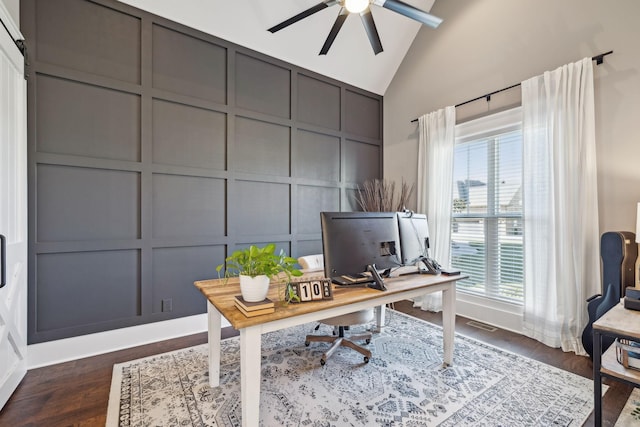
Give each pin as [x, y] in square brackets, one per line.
[379, 195]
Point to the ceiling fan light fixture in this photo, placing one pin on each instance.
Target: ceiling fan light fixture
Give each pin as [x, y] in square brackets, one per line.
[356, 6]
[361, 7]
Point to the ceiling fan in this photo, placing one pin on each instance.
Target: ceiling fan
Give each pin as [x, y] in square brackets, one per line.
[362, 8]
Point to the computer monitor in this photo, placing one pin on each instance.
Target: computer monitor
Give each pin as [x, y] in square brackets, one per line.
[414, 243]
[352, 242]
[414, 236]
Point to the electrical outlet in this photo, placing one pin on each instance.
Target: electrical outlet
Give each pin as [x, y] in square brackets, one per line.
[167, 305]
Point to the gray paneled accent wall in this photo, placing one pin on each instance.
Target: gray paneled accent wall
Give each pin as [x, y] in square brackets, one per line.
[155, 150]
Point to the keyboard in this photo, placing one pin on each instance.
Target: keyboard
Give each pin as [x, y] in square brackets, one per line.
[352, 279]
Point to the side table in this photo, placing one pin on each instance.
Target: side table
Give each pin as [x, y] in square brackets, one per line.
[618, 322]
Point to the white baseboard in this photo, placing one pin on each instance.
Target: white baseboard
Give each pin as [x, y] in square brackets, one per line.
[504, 316]
[52, 352]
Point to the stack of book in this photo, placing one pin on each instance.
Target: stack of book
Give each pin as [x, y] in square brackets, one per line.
[251, 309]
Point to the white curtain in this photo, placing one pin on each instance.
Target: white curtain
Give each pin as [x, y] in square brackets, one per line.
[562, 265]
[435, 186]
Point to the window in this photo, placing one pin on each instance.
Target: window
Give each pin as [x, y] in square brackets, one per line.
[487, 232]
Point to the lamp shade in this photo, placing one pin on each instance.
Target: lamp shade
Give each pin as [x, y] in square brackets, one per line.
[638, 224]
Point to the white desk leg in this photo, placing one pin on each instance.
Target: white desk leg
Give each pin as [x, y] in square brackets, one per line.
[250, 372]
[448, 321]
[214, 326]
[380, 314]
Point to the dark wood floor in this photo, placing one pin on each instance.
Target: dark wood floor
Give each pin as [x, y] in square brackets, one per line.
[76, 393]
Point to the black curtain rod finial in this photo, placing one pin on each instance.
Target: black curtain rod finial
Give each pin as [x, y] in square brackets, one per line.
[600, 58]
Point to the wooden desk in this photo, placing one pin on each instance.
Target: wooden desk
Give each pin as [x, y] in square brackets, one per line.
[345, 300]
[620, 323]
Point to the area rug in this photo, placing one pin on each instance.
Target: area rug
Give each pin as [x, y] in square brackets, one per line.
[404, 385]
[630, 414]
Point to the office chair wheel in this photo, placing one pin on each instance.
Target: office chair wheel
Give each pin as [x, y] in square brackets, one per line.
[323, 362]
[306, 343]
[366, 359]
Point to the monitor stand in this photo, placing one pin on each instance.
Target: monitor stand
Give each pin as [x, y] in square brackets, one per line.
[431, 265]
[379, 282]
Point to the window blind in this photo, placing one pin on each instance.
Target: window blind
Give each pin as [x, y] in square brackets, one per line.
[487, 226]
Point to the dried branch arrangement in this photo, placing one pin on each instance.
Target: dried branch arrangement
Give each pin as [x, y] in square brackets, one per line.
[379, 195]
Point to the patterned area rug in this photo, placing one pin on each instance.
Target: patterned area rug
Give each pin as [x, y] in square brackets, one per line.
[630, 415]
[404, 384]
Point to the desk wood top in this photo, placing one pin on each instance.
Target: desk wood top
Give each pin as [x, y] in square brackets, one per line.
[222, 296]
[621, 321]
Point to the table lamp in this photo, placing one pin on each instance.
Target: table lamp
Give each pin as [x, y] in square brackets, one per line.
[637, 271]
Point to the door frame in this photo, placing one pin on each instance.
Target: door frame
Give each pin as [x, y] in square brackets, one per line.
[13, 295]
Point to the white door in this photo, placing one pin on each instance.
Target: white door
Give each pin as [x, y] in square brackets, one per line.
[13, 214]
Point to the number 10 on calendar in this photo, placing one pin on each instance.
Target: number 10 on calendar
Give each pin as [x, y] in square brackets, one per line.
[311, 290]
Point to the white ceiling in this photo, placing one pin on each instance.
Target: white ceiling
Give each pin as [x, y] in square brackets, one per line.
[350, 59]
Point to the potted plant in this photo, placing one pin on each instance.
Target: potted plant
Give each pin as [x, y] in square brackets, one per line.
[256, 267]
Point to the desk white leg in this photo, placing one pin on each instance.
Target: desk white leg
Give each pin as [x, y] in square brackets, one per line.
[448, 321]
[214, 327]
[380, 315]
[250, 372]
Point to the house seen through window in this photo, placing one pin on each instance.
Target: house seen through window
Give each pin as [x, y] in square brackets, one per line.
[487, 227]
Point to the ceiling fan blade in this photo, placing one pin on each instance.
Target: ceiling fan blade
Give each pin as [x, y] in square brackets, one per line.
[303, 14]
[372, 31]
[334, 31]
[410, 12]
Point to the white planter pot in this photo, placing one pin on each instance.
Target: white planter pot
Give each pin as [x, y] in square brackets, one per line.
[254, 289]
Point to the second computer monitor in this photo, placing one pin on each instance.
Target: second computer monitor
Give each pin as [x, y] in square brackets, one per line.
[414, 236]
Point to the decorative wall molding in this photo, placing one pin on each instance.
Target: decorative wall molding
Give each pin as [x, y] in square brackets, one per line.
[152, 150]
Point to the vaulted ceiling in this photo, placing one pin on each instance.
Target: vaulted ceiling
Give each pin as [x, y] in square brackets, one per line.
[350, 59]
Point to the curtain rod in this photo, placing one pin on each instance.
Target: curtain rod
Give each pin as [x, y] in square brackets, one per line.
[598, 58]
